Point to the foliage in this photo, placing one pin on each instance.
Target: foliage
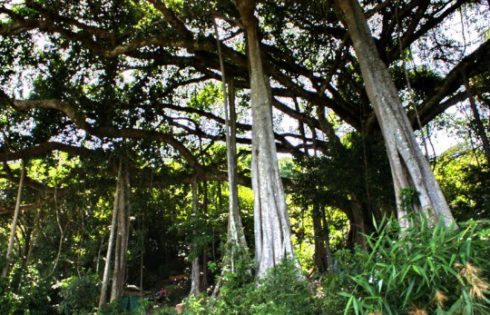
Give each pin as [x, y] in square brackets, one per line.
[465, 183]
[24, 292]
[79, 294]
[9, 301]
[434, 270]
[282, 291]
[142, 83]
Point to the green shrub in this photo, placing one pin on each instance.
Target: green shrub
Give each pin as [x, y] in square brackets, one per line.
[433, 270]
[427, 270]
[79, 294]
[24, 292]
[283, 290]
[9, 301]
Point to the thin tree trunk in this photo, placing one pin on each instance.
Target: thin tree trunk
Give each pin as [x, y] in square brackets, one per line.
[301, 127]
[479, 128]
[110, 245]
[142, 254]
[326, 239]
[62, 234]
[28, 236]
[33, 237]
[320, 255]
[235, 227]
[204, 262]
[409, 167]
[204, 276]
[127, 215]
[271, 221]
[195, 272]
[118, 274]
[13, 226]
[99, 255]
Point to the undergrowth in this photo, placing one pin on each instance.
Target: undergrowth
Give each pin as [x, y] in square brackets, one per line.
[428, 270]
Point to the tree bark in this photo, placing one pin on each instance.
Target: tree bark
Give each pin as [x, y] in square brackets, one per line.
[271, 221]
[320, 255]
[479, 128]
[15, 219]
[60, 228]
[119, 271]
[357, 223]
[236, 234]
[110, 245]
[326, 239]
[409, 167]
[195, 270]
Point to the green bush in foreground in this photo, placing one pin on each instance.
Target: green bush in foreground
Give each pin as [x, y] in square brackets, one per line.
[428, 270]
[282, 291]
[79, 294]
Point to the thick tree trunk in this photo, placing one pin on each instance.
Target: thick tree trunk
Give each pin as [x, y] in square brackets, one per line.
[119, 271]
[357, 225]
[110, 245]
[13, 226]
[271, 221]
[195, 270]
[409, 167]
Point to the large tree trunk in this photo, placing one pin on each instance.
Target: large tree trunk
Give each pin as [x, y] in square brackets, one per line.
[119, 271]
[110, 245]
[357, 224]
[271, 221]
[409, 167]
[236, 235]
[13, 226]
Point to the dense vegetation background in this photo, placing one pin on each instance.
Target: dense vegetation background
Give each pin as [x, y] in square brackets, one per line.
[118, 125]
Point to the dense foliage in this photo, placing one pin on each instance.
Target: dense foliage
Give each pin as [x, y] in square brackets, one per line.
[114, 151]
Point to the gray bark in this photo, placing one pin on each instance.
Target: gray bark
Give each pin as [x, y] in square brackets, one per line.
[271, 221]
[409, 167]
[195, 270]
[118, 274]
[13, 226]
[110, 245]
[235, 227]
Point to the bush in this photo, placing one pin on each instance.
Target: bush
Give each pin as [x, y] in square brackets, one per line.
[24, 292]
[9, 301]
[426, 271]
[283, 290]
[79, 294]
